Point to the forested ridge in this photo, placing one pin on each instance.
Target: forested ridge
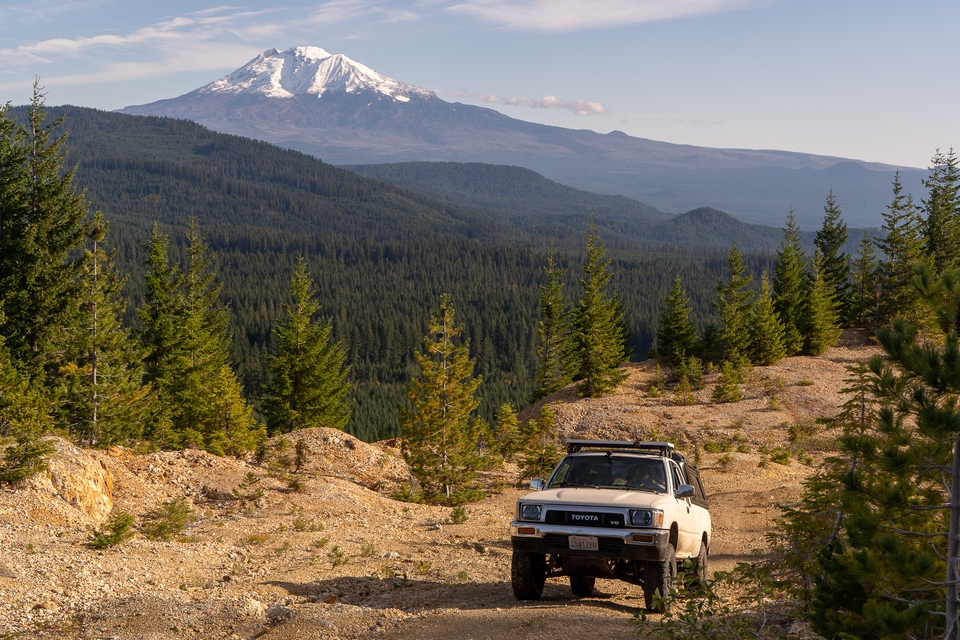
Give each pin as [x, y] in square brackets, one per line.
[380, 256]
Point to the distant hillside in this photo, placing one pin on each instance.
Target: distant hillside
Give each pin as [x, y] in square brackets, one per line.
[518, 196]
[381, 255]
[528, 200]
[293, 99]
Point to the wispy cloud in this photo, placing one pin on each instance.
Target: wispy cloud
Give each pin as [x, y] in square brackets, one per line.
[579, 15]
[340, 11]
[162, 42]
[579, 107]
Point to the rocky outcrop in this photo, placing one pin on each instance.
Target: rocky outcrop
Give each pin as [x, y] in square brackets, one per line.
[78, 479]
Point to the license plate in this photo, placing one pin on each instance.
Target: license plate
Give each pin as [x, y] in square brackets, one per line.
[584, 543]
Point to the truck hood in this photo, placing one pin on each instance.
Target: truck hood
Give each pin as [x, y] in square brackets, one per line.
[569, 497]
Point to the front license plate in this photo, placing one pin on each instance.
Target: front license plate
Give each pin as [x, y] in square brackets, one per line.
[584, 543]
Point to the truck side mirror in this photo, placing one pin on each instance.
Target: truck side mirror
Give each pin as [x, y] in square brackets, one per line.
[537, 484]
[686, 491]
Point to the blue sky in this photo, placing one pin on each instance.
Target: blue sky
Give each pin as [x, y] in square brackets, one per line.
[866, 79]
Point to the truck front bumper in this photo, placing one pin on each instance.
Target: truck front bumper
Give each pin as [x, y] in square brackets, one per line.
[620, 544]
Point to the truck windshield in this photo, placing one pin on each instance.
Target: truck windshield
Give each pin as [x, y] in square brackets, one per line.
[606, 471]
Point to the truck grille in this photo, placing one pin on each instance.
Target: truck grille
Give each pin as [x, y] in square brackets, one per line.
[585, 519]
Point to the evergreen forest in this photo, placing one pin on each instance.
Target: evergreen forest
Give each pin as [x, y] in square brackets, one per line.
[381, 256]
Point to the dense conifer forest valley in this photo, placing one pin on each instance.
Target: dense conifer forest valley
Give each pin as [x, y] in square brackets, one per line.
[382, 255]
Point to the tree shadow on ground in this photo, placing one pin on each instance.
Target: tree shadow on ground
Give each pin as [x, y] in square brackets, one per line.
[410, 594]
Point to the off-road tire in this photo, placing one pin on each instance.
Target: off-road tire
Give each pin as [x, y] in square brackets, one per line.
[528, 572]
[659, 576]
[582, 586]
[700, 565]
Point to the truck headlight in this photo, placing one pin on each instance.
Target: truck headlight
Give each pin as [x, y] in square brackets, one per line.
[646, 517]
[530, 511]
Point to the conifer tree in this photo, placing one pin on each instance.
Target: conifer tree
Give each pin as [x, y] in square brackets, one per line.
[733, 304]
[42, 224]
[440, 431]
[835, 269]
[767, 333]
[23, 410]
[308, 375]
[187, 337]
[676, 335]
[865, 285]
[902, 247]
[942, 208]
[556, 349]
[102, 398]
[893, 571]
[23, 415]
[599, 325]
[789, 286]
[541, 444]
[821, 326]
[507, 433]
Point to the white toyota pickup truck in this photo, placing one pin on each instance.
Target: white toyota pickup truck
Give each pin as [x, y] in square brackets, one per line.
[611, 509]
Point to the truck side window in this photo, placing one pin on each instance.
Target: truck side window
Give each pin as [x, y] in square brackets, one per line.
[677, 478]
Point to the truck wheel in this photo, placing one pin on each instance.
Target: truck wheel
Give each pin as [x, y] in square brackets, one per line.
[582, 586]
[659, 576]
[528, 572]
[701, 565]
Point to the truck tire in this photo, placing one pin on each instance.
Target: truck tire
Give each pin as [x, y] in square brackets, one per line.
[659, 576]
[582, 586]
[528, 572]
[700, 566]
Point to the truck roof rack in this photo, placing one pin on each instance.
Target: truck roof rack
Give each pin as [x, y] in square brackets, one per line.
[662, 448]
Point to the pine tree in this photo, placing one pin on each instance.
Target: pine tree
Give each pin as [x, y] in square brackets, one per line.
[676, 335]
[187, 337]
[865, 288]
[733, 304]
[893, 569]
[789, 284]
[556, 349]
[23, 410]
[942, 207]
[599, 326]
[23, 415]
[42, 225]
[440, 430]
[767, 333]
[507, 433]
[829, 241]
[902, 248]
[308, 375]
[102, 398]
[821, 328]
[541, 445]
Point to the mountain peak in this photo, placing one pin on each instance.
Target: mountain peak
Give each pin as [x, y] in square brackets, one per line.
[308, 71]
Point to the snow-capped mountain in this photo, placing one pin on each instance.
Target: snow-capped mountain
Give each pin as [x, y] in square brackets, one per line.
[345, 113]
[308, 71]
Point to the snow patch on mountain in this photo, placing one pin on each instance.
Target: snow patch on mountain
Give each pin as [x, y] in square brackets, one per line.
[309, 71]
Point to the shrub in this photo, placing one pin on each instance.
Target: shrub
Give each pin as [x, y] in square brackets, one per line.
[691, 368]
[118, 529]
[169, 520]
[657, 384]
[25, 459]
[728, 384]
[337, 556]
[458, 515]
[683, 393]
[248, 488]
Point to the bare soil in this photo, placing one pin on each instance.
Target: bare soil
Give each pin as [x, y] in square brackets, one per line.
[342, 559]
